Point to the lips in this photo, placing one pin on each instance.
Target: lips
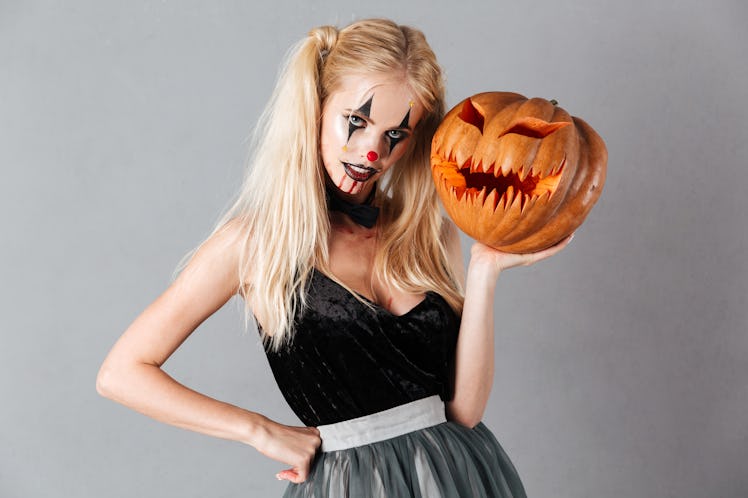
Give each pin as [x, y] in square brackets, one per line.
[359, 172]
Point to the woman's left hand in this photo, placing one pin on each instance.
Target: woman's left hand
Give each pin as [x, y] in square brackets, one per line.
[489, 258]
[474, 355]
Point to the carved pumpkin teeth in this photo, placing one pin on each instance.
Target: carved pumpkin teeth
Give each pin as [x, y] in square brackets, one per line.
[490, 186]
[474, 179]
[506, 169]
[516, 207]
[500, 202]
[462, 159]
[491, 200]
[523, 172]
[535, 170]
[509, 196]
[495, 170]
[559, 168]
[527, 202]
[459, 193]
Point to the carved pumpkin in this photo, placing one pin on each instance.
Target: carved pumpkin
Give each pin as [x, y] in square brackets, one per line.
[517, 174]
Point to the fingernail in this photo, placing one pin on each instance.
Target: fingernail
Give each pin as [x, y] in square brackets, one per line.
[278, 476]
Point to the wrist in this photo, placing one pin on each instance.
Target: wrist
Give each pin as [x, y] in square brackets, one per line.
[254, 430]
[482, 270]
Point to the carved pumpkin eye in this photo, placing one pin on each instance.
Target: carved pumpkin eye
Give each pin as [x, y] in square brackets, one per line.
[471, 115]
[533, 127]
[523, 188]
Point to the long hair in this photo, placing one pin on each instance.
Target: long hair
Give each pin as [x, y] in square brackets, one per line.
[282, 204]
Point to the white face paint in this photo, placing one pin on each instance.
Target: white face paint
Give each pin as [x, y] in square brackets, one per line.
[366, 126]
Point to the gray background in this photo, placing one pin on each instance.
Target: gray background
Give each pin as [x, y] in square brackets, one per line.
[622, 363]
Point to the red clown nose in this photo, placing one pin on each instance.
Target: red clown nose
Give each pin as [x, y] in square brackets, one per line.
[372, 156]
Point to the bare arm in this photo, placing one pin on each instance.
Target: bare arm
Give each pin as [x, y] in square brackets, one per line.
[131, 374]
[474, 356]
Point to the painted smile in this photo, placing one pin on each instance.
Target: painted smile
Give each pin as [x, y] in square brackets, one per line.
[359, 172]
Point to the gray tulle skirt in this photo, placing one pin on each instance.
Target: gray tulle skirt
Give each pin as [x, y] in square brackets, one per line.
[446, 460]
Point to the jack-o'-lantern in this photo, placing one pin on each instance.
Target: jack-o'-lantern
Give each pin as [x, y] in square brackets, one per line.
[517, 174]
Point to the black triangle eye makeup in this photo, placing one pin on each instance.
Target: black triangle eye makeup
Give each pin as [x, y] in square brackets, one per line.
[354, 124]
[365, 110]
[405, 121]
[356, 121]
[403, 125]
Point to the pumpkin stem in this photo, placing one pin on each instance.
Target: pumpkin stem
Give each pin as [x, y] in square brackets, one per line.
[554, 101]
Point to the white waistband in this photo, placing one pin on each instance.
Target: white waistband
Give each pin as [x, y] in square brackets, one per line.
[383, 425]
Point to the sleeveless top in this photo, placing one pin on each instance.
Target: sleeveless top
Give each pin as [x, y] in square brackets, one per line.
[347, 359]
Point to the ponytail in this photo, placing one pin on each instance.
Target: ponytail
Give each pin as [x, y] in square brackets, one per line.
[283, 197]
[325, 37]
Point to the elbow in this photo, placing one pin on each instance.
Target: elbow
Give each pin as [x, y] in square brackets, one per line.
[466, 418]
[119, 381]
[104, 382]
[466, 421]
[109, 381]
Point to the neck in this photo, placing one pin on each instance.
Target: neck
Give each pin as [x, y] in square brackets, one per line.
[340, 222]
[360, 197]
[361, 212]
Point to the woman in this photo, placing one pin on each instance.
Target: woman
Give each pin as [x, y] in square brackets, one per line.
[338, 248]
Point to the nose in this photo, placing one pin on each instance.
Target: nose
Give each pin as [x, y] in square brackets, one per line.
[369, 144]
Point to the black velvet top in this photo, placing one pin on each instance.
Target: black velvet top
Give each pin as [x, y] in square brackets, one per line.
[347, 360]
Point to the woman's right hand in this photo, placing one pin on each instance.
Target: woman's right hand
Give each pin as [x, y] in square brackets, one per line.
[295, 446]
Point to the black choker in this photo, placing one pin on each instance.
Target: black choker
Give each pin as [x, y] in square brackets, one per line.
[364, 214]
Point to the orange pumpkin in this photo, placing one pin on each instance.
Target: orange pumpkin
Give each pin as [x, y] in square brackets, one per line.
[517, 174]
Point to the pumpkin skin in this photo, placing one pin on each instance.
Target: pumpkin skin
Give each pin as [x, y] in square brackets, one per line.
[514, 173]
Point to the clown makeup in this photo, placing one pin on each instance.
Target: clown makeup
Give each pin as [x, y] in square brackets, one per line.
[366, 125]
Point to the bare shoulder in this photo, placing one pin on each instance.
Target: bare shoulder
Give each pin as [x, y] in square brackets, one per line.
[226, 241]
[216, 261]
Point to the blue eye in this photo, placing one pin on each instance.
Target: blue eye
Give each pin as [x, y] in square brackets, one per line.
[354, 123]
[395, 137]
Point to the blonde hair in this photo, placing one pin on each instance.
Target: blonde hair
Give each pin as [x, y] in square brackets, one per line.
[282, 204]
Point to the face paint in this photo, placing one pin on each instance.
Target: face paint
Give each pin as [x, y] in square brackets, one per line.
[365, 127]
[394, 140]
[355, 121]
